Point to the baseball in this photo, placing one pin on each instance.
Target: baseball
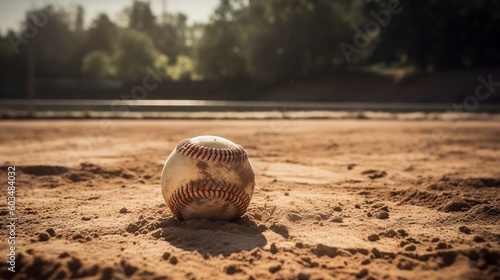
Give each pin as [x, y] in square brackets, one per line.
[207, 177]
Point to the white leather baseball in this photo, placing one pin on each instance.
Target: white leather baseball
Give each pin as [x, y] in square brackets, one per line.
[207, 177]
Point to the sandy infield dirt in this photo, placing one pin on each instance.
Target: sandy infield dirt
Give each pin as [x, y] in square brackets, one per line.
[334, 199]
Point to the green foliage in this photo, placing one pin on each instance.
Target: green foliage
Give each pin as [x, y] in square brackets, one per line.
[134, 51]
[53, 43]
[141, 17]
[6, 57]
[218, 51]
[98, 65]
[183, 69]
[438, 35]
[287, 39]
[275, 39]
[102, 34]
[169, 31]
[259, 40]
[171, 36]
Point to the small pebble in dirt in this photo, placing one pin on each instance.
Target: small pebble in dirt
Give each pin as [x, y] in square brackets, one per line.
[357, 206]
[322, 217]
[303, 276]
[362, 273]
[376, 253]
[85, 218]
[63, 255]
[374, 174]
[456, 205]
[337, 209]
[51, 232]
[232, 269]
[77, 236]
[274, 249]
[166, 255]
[413, 240]
[280, 229]
[383, 215]
[124, 210]
[337, 220]
[478, 239]
[132, 228]
[173, 260]
[275, 268]
[294, 217]
[299, 245]
[441, 246]
[366, 261]
[43, 236]
[411, 248]
[402, 232]
[369, 215]
[464, 229]
[389, 233]
[373, 237]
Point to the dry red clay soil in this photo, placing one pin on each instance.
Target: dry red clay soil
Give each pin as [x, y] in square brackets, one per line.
[334, 199]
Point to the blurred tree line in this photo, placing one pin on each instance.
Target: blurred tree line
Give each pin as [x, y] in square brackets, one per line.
[63, 48]
[258, 40]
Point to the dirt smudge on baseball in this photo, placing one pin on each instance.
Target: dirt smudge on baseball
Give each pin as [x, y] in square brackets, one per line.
[202, 165]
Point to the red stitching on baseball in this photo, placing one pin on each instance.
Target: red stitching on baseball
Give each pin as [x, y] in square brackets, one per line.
[185, 195]
[197, 151]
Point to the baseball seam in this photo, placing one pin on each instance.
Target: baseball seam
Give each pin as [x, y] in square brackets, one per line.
[196, 151]
[201, 189]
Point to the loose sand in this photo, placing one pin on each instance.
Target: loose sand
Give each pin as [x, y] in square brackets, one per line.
[334, 199]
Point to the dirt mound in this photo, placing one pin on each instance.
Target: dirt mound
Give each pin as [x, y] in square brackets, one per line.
[446, 183]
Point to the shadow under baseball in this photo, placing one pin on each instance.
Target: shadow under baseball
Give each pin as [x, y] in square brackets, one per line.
[212, 237]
